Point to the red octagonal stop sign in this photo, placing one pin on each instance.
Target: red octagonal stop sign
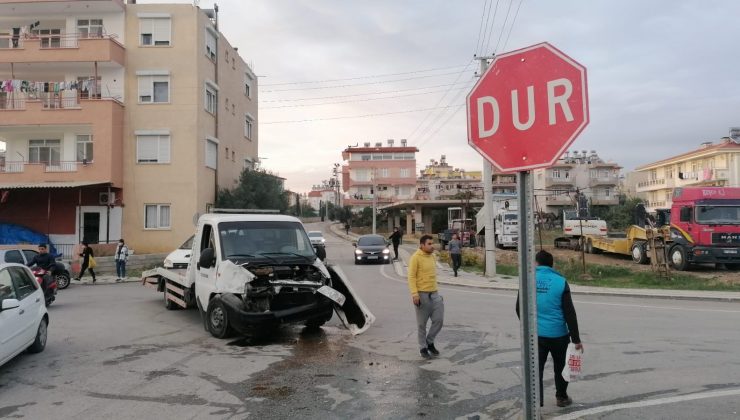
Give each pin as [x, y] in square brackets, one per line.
[527, 108]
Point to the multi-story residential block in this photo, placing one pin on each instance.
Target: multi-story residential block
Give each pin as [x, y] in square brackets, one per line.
[388, 171]
[320, 195]
[709, 165]
[441, 181]
[124, 119]
[585, 172]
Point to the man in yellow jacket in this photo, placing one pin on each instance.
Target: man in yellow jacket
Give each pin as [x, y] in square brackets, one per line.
[429, 304]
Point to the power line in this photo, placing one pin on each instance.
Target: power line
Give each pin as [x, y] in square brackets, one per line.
[479, 44]
[512, 24]
[363, 77]
[359, 100]
[443, 124]
[503, 28]
[438, 102]
[348, 116]
[365, 83]
[490, 31]
[359, 94]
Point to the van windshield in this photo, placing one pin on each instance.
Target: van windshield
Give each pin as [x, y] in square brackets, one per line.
[718, 215]
[243, 241]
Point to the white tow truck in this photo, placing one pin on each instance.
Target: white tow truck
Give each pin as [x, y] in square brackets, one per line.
[258, 270]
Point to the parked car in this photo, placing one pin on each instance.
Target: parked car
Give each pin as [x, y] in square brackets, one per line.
[180, 258]
[23, 254]
[23, 316]
[316, 237]
[372, 248]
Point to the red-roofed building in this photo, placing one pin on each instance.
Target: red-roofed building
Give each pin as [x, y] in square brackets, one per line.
[710, 165]
[387, 171]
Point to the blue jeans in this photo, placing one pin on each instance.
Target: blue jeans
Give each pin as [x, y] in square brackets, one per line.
[121, 269]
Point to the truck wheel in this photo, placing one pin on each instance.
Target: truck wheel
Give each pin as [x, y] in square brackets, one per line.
[170, 305]
[639, 256]
[497, 242]
[218, 319]
[589, 247]
[677, 258]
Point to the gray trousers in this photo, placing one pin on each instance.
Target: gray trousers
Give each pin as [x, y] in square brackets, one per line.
[432, 307]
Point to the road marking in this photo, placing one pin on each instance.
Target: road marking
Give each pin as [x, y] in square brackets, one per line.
[630, 305]
[659, 401]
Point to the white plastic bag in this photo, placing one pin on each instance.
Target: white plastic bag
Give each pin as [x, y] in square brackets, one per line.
[573, 358]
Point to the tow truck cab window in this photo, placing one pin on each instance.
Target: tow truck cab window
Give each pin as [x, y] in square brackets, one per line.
[686, 214]
[206, 238]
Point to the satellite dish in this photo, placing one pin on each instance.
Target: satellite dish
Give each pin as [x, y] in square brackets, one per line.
[196, 216]
[196, 3]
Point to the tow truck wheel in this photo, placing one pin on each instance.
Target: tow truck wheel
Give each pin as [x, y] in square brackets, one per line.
[168, 304]
[218, 319]
[677, 258]
[639, 255]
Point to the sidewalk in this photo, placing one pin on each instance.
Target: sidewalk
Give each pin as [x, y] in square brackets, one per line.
[500, 282]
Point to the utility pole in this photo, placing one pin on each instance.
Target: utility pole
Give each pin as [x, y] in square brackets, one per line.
[488, 197]
[375, 201]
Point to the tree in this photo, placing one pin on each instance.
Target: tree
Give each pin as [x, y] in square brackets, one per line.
[618, 217]
[257, 189]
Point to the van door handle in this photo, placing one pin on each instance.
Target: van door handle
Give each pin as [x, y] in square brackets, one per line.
[22, 311]
[38, 300]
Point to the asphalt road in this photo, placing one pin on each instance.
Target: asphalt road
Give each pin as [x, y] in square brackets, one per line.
[114, 352]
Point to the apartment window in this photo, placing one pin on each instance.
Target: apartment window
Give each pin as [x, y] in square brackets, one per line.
[233, 63]
[212, 153]
[365, 157]
[211, 98]
[233, 156]
[556, 173]
[404, 172]
[84, 148]
[153, 148]
[226, 104]
[248, 123]
[87, 88]
[157, 216]
[211, 43]
[44, 151]
[594, 173]
[154, 89]
[154, 31]
[383, 172]
[226, 54]
[233, 109]
[50, 38]
[248, 84]
[90, 28]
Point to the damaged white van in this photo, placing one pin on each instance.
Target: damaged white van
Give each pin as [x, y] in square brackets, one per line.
[249, 270]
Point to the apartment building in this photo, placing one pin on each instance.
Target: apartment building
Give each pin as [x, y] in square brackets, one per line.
[386, 171]
[712, 164]
[441, 181]
[584, 171]
[320, 195]
[122, 119]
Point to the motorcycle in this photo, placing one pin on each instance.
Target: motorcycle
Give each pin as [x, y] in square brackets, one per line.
[48, 284]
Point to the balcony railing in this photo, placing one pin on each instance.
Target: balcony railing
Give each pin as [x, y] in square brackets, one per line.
[552, 180]
[61, 166]
[651, 183]
[49, 41]
[58, 102]
[12, 104]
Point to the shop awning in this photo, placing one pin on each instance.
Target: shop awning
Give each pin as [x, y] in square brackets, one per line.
[50, 184]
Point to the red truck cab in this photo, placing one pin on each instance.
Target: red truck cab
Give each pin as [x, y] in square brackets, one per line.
[705, 227]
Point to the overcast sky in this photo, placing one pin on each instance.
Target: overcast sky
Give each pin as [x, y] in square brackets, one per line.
[663, 75]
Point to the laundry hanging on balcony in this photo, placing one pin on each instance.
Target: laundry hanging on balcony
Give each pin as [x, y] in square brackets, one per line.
[88, 85]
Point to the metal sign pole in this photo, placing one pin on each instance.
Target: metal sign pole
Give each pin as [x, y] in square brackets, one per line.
[528, 298]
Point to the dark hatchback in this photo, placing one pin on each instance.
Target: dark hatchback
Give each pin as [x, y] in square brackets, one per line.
[372, 248]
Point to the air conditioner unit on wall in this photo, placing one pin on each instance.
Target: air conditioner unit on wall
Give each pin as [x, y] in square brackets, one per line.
[107, 199]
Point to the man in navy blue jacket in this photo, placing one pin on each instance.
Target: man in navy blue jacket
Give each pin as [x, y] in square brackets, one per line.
[557, 324]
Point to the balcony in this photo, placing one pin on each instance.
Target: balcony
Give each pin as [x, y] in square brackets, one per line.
[651, 185]
[550, 181]
[558, 200]
[63, 47]
[609, 180]
[602, 200]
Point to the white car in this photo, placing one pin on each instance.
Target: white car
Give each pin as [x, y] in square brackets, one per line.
[180, 258]
[23, 316]
[316, 237]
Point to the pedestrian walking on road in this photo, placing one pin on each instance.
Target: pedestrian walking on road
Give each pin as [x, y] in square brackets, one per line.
[422, 278]
[87, 258]
[396, 240]
[557, 323]
[121, 256]
[455, 252]
[346, 227]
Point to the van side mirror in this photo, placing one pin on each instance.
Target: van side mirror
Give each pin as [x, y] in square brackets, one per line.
[10, 304]
[354, 244]
[207, 258]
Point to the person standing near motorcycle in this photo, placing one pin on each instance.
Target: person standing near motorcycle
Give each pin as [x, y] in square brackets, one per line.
[87, 254]
[121, 257]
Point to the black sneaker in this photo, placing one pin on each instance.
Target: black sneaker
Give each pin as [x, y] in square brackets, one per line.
[433, 349]
[564, 402]
[425, 354]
